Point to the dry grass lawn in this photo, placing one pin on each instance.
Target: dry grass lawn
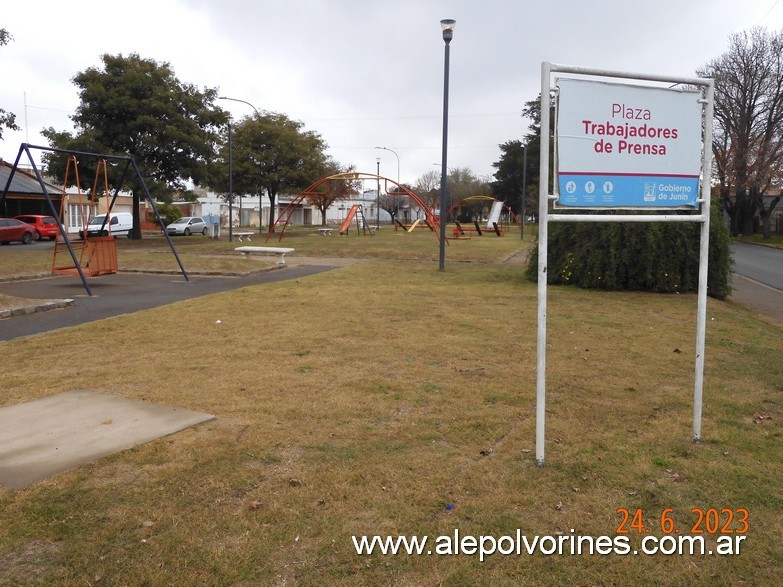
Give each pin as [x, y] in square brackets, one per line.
[388, 398]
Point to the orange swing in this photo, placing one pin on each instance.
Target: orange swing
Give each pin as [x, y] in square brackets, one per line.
[100, 252]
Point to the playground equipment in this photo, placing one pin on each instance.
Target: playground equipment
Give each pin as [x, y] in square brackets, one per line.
[100, 252]
[494, 214]
[322, 188]
[357, 212]
[419, 223]
[97, 251]
[463, 233]
[493, 218]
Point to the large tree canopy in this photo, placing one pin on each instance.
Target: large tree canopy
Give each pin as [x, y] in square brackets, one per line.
[271, 154]
[333, 190]
[511, 170]
[748, 133]
[138, 107]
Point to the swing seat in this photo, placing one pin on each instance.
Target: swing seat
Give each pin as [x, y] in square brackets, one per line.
[101, 257]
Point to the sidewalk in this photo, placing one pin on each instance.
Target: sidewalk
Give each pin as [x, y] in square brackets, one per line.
[765, 301]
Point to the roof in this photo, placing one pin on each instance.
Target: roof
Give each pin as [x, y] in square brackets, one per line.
[24, 182]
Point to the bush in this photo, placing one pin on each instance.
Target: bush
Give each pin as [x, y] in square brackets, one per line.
[168, 213]
[659, 257]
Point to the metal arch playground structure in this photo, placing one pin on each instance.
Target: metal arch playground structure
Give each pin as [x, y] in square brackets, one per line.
[493, 219]
[464, 201]
[322, 187]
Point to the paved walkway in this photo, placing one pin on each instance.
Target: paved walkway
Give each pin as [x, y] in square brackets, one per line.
[764, 300]
[124, 293]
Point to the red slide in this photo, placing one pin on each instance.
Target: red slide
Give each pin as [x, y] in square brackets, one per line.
[347, 222]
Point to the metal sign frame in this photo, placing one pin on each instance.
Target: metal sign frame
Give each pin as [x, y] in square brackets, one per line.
[702, 216]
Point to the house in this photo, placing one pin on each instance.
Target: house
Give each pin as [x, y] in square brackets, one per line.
[24, 195]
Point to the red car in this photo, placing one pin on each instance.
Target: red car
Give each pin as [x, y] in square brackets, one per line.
[46, 226]
[12, 229]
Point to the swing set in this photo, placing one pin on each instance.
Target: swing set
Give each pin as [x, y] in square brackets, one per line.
[92, 256]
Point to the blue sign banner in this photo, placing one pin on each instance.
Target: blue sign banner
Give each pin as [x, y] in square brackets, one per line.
[588, 190]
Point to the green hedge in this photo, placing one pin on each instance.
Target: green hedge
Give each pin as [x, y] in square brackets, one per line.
[659, 257]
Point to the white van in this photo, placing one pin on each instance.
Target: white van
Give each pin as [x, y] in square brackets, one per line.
[120, 224]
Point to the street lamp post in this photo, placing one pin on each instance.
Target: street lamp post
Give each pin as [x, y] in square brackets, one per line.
[231, 176]
[447, 26]
[524, 194]
[398, 160]
[230, 186]
[378, 196]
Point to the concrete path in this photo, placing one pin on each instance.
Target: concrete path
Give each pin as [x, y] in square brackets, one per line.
[46, 436]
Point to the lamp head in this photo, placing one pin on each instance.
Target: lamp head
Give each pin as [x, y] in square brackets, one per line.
[447, 26]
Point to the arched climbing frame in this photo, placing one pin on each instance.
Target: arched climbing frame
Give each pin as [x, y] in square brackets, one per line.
[322, 187]
[486, 198]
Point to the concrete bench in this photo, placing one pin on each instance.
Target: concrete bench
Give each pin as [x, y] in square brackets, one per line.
[325, 231]
[279, 251]
[239, 235]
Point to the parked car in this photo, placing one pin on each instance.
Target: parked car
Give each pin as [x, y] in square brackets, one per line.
[12, 230]
[45, 226]
[188, 225]
[120, 224]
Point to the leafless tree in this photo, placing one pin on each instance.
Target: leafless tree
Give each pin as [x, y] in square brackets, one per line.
[748, 133]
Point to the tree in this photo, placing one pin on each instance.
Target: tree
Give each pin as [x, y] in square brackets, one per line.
[748, 128]
[333, 190]
[509, 175]
[462, 183]
[137, 107]
[428, 188]
[272, 154]
[394, 202]
[7, 119]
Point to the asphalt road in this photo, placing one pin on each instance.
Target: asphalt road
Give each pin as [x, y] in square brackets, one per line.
[758, 280]
[762, 264]
[123, 293]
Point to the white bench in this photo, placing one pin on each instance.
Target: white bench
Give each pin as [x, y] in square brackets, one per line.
[325, 231]
[239, 235]
[279, 251]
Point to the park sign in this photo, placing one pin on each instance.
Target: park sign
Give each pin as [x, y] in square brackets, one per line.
[638, 144]
[627, 146]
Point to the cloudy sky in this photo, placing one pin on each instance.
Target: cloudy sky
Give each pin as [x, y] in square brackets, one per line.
[367, 73]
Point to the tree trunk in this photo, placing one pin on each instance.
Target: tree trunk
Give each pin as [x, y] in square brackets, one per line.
[135, 233]
[272, 198]
[765, 214]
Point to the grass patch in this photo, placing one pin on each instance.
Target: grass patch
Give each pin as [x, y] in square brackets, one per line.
[369, 399]
[775, 240]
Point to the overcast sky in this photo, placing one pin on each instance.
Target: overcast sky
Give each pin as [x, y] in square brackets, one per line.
[362, 73]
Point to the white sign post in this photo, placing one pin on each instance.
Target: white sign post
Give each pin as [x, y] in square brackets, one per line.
[631, 146]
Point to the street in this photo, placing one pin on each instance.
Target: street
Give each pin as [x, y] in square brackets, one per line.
[758, 280]
[762, 264]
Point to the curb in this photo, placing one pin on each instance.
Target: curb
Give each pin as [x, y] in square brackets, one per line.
[42, 307]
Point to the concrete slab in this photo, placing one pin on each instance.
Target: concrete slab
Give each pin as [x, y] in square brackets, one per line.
[47, 436]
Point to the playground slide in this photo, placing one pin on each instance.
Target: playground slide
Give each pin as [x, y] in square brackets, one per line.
[347, 222]
[494, 214]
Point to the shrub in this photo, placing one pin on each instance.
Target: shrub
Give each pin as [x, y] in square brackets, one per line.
[168, 213]
[659, 257]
